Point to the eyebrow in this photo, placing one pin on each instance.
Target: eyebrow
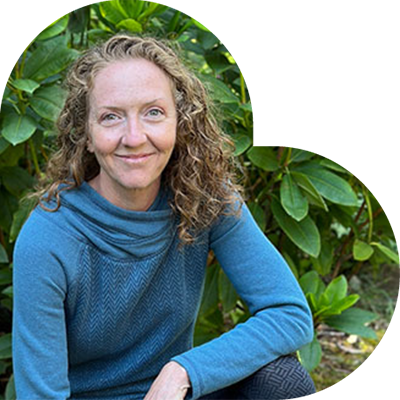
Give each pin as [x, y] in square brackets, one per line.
[114, 108]
[154, 101]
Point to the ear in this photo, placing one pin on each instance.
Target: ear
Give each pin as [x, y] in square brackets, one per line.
[89, 146]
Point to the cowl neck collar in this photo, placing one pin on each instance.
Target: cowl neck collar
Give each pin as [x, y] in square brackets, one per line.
[114, 230]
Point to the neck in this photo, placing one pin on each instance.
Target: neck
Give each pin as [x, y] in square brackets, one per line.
[128, 199]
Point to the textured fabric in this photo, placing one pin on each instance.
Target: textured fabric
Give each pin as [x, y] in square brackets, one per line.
[284, 378]
[104, 298]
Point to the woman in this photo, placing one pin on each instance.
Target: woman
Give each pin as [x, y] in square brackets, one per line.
[109, 268]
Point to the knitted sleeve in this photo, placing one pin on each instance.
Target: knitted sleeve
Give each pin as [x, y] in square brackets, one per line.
[40, 359]
[281, 321]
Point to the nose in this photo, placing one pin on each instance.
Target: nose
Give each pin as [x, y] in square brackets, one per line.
[134, 135]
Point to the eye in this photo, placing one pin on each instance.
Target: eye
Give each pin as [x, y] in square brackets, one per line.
[109, 119]
[155, 112]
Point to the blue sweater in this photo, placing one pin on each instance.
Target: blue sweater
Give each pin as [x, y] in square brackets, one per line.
[103, 299]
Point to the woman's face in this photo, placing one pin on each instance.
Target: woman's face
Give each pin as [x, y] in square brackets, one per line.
[132, 125]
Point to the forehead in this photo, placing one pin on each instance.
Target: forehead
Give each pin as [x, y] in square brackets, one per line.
[129, 80]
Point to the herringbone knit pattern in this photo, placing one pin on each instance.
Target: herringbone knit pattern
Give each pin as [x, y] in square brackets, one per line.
[103, 299]
[281, 379]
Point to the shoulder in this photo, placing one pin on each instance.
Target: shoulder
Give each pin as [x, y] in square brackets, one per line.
[234, 216]
[48, 225]
[46, 255]
[44, 232]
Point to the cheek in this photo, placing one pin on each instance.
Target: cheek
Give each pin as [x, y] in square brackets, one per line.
[102, 142]
[166, 142]
[104, 145]
[171, 142]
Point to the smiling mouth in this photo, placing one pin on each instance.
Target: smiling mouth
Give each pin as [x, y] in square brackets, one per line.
[134, 158]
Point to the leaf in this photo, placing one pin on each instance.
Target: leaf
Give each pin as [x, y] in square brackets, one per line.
[264, 158]
[8, 292]
[219, 91]
[3, 255]
[242, 143]
[312, 301]
[8, 206]
[204, 334]
[153, 9]
[327, 309]
[329, 185]
[173, 23]
[353, 322]
[310, 282]
[346, 220]
[199, 25]
[333, 165]
[26, 85]
[132, 8]
[54, 29]
[291, 264]
[217, 61]
[310, 355]
[344, 304]
[6, 276]
[210, 296]
[112, 11]
[3, 145]
[300, 155]
[294, 203]
[16, 180]
[303, 234]
[78, 20]
[387, 252]
[309, 189]
[362, 251]
[323, 303]
[18, 128]
[5, 346]
[130, 25]
[313, 288]
[246, 107]
[20, 216]
[228, 293]
[49, 58]
[10, 393]
[323, 263]
[337, 289]
[48, 102]
[258, 214]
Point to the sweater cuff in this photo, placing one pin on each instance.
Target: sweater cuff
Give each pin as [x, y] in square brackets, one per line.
[195, 380]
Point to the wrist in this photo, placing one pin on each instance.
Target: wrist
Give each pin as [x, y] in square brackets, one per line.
[180, 372]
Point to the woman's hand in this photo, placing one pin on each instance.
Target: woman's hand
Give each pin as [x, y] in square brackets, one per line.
[172, 383]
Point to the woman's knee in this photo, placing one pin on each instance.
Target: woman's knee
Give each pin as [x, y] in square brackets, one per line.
[284, 378]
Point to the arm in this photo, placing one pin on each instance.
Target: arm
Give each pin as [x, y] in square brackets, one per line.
[40, 360]
[281, 321]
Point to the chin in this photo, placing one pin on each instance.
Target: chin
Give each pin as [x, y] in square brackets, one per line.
[138, 184]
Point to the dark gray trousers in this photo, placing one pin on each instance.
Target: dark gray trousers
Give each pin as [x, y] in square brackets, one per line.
[284, 378]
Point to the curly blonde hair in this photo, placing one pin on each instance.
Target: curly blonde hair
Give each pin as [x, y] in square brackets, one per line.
[200, 173]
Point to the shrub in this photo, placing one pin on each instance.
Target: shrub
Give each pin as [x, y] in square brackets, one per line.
[322, 219]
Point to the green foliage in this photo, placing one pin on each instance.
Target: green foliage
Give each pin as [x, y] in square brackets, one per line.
[320, 217]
